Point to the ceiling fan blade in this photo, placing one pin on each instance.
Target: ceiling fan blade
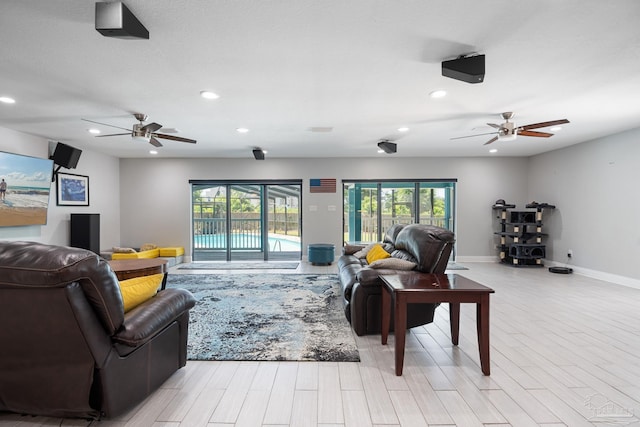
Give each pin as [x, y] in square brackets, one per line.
[104, 124]
[544, 124]
[174, 138]
[113, 134]
[151, 127]
[471, 136]
[155, 142]
[534, 133]
[493, 125]
[494, 139]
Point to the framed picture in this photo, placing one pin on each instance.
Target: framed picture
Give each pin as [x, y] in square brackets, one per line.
[73, 190]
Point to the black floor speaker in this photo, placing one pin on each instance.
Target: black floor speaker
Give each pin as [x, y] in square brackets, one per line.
[85, 231]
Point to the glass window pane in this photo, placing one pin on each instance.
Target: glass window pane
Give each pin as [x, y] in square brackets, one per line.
[436, 204]
[397, 200]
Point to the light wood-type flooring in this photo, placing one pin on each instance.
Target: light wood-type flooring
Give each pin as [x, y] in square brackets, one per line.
[565, 351]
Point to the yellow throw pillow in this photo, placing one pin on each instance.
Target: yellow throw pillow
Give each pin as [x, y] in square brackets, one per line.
[377, 252]
[139, 289]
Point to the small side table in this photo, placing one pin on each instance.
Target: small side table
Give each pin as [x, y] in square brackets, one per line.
[413, 287]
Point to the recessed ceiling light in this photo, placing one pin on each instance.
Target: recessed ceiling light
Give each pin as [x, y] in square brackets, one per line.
[7, 100]
[440, 93]
[380, 151]
[403, 129]
[94, 131]
[242, 130]
[209, 95]
[556, 129]
[153, 151]
[493, 150]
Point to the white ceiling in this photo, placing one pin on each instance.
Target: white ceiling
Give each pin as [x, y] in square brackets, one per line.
[361, 67]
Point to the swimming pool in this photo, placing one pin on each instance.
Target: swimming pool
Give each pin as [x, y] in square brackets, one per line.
[240, 241]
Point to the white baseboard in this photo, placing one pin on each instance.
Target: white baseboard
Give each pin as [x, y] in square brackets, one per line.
[476, 259]
[594, 274]
[600, 275]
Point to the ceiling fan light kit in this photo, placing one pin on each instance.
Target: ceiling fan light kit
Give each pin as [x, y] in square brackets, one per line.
[114, 19]
[388, 146]
[142, 132]
[508, 131]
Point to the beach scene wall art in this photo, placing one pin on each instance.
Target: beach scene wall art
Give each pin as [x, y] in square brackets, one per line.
[25, 185]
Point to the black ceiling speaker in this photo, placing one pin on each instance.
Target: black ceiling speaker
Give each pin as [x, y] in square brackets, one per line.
[66, 156]
[258, 154]
[388, 146]
[468, 69]
[114, 19]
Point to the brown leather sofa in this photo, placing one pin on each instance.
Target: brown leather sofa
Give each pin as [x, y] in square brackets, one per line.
[67, 349]
[427, 246]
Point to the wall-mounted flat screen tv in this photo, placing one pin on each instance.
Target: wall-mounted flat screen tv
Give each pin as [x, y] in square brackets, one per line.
[25, 183]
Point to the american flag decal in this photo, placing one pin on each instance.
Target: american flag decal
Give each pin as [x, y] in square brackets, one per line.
[322, 185]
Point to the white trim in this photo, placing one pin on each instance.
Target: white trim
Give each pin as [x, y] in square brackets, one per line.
[595, 274]
[476, 259]
[600, 275]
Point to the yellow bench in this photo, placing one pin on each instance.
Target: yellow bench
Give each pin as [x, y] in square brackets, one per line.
[151, 253]
[170, 252]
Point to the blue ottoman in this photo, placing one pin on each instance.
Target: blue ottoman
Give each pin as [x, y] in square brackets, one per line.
[321, 253]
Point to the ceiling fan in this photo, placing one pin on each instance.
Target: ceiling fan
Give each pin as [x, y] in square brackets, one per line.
[508, 131]
[145, 132]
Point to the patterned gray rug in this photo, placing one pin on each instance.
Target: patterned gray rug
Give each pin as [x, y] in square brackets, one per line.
[267, 317]
[236, 265]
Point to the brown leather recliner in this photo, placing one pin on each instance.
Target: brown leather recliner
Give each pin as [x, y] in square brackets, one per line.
[67, 349]
[426, 245]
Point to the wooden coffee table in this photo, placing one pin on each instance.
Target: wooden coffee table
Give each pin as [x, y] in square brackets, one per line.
[130, 268]
[412, 287]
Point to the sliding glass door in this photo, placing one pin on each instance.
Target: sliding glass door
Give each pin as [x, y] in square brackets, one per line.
[246, 220]
[371, 207]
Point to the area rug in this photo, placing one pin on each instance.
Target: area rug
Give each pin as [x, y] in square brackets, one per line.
[278, 265]
[266, 317]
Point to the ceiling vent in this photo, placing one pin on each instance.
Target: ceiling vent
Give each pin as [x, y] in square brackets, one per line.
[114, 19]
[320, 129]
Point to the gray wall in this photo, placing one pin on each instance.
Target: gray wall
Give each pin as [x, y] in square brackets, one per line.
[155, 193]
[104, 193]
[594, 185]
